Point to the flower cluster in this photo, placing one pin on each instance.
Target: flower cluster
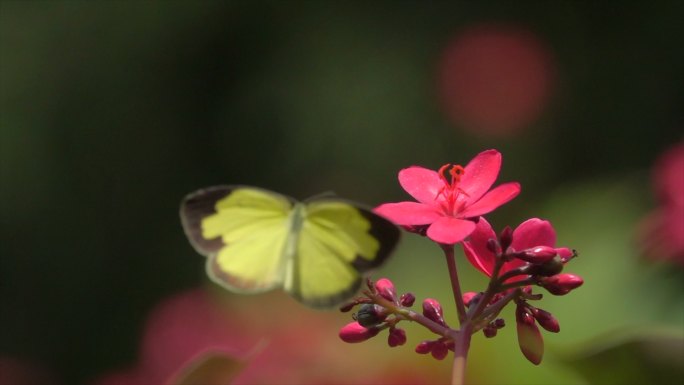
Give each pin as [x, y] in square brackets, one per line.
[449, 208]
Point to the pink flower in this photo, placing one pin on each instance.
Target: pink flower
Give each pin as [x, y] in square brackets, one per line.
[528, 235]
[662, 231]
[202, 338]
[447, 203]
[668, 176]
[180, 331]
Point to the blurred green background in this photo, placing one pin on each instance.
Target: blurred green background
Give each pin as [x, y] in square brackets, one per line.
[111, 111]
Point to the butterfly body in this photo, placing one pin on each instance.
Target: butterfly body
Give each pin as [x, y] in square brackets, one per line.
[257, 240]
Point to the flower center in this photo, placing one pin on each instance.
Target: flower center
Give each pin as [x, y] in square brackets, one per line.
[451, 176]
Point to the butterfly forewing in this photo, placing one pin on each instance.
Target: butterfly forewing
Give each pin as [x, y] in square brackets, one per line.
[195, 207]
[243, 231]
[337, 242]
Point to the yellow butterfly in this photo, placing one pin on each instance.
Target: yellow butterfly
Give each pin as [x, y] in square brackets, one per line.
[257, 240]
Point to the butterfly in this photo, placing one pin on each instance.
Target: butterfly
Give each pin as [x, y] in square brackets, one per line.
[257, 240]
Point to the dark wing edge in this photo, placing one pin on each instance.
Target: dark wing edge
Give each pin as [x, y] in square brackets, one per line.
[386, 232]
[197, 206]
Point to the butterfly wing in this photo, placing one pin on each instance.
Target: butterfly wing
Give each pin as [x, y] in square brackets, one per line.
[337, 242]
[243, 231]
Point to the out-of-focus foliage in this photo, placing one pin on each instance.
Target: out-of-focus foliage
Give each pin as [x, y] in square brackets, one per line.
[110, 112]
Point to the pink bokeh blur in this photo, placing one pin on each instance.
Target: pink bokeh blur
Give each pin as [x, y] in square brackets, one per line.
[661, 233]
[273, 339]
[494, 79]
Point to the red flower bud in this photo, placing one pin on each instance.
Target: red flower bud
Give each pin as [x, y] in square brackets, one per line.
[396, 337]
[506, 237]
[498, 323]
[424, 347]
[493, 246]
[407, 299]
[353, 332]
[536, 255]
[561, 284]
[468, 297]
[433, 310]
[489, 331]
[386, 289]
[529, 338]
[439, 350]
[546, 320]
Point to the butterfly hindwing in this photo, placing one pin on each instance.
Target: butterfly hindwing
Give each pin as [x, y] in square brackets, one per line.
[338, 241]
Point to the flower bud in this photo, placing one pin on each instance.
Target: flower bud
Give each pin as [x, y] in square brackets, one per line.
[498, 323]
[523, 315]
[506, 237]
[493, 246]
[433, 310]
[561, 284]
[548, 268]
[407, 299]
[424, 347]
[353, 332]
[386, 289]
[529, 338]
[489, 331]
[370, 315]
[439, 350]
[566, 254]
[468, 297]
[536, 255]
[546, 320]
[396, 337]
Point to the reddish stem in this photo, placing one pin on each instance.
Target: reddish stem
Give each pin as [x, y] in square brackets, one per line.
[455, 285]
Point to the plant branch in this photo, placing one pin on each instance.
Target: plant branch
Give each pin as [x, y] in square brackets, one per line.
[411, 315]
[455, 285]
[461, 347]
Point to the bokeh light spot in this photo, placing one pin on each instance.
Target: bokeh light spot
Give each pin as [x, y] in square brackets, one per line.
[495, 79]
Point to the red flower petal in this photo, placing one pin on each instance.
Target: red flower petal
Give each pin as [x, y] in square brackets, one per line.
[480, 174]
[423, 184]
[476, 250]
[450, 230]
[533, 232]
[408, 213]
[493, 199]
